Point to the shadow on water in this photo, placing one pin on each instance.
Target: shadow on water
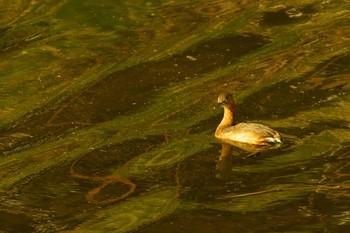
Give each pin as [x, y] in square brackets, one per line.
[286, 15]
[15, 222]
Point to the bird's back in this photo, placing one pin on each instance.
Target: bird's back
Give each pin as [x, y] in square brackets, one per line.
[251, 133]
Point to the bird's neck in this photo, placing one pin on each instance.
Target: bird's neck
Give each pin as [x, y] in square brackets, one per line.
[229, 117]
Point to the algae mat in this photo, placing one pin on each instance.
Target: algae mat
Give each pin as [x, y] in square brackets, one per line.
[107, 115]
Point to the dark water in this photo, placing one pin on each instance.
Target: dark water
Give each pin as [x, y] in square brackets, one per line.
[107, 116]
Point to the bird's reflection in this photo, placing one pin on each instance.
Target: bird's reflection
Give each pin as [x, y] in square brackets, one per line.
[224, 164]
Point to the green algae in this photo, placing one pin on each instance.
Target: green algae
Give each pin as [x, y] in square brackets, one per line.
[304, 151]
[167, 156]
[260, 201]
[57, 56]
[132, 215]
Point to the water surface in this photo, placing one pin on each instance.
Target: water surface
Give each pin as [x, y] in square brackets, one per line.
[107, 116]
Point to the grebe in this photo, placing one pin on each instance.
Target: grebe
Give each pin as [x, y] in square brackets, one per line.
[250, 133]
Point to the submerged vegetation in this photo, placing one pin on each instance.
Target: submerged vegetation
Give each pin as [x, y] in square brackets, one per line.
[107, 115]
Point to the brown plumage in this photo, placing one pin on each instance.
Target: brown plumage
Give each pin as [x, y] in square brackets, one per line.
[250, 133]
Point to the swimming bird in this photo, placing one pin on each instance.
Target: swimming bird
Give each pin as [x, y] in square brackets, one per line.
[250, 133]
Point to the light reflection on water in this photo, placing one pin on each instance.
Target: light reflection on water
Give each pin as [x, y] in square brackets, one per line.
[107, 120]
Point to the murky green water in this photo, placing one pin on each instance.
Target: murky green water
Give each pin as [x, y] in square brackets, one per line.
[107, 116]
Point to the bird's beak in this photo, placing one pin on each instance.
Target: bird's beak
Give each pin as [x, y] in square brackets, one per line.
[217, 105]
